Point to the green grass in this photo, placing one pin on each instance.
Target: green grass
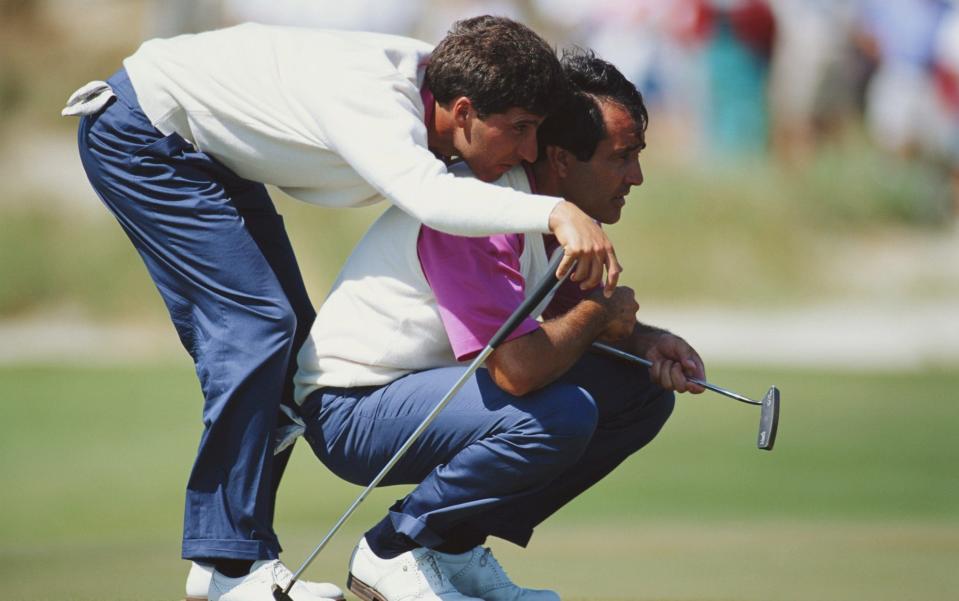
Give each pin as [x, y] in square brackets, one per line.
[860, 500]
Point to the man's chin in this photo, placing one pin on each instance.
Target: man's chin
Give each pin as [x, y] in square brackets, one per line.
[615, 211]
[491, 173]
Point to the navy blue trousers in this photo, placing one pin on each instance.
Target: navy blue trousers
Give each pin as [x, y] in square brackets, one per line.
[492, 464]
[220, 257]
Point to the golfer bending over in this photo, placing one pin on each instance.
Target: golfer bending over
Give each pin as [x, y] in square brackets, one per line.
[179, 143]
[545, 421]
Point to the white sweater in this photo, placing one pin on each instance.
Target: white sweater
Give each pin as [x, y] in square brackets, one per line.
[381, 320]
[330, 117]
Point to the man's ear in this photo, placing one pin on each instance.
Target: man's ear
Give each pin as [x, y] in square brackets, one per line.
[559, 159]
[461, 109]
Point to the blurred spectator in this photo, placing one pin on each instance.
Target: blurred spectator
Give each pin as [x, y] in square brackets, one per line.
[738, 52]
[383, 16]
[657, 45]
[166, 18]
[900, 35]
[947, 87]
[910, 110]
[814, 73]
[436, 21]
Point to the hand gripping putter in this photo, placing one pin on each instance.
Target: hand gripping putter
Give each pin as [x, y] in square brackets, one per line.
[548, 284]
[769, 406]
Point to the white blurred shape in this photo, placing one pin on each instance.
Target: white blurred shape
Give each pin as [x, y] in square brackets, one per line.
[384, 16]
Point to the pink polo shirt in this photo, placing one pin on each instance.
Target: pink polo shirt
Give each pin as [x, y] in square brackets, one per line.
[478, 284]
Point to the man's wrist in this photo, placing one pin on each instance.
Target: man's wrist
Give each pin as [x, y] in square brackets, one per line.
[591, 317]
[645, 337]
[559, 215]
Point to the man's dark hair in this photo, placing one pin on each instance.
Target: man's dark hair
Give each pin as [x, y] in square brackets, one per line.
[578, 125]
[498, 64]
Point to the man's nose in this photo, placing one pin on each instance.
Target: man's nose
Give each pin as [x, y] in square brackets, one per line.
[634, 176]
[527, 147]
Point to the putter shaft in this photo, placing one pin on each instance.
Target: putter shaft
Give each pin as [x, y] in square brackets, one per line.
[636, 359]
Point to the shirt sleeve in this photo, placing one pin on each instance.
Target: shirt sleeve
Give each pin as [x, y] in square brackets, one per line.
[477, 284]
[379, 131]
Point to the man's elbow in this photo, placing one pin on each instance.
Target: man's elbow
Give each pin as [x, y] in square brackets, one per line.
[516, 384]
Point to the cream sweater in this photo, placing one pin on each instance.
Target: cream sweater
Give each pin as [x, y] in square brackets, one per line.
[332, 118]
[381, 320]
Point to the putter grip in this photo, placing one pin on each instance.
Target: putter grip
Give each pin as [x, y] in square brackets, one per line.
[535, 297]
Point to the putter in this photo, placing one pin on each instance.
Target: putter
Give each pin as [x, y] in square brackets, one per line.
[769, 406]
[548, 284]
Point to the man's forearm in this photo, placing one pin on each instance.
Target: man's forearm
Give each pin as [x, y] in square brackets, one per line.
[532, 361]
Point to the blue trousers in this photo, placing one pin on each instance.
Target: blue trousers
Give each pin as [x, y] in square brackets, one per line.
[220, 257]
[491, 464]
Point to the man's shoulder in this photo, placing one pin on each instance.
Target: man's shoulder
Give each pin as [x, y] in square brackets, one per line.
[321, 49]
[516, 178]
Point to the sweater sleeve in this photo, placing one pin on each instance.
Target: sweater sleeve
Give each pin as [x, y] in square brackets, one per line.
[379, 131]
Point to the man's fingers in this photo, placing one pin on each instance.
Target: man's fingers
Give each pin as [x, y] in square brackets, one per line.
[585, 241]
[655, 373]
[694, 365]
[564, 265]
[613, 269]
[595, 276]
[671, 375]
[666, 375]
[678, 378]
[583, 269]
[695, 369]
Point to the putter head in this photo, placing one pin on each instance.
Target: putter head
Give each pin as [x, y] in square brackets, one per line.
[768, 419]
[279, 594]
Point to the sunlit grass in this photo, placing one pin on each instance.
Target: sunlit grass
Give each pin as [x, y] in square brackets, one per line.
[861, 491]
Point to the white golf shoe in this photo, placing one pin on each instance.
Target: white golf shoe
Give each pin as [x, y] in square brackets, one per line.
[478, 574]
[198, 581]
[412, 576]
[255, 586]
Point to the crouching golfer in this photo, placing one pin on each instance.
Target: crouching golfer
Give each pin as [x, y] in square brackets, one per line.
[545, 421]
[178, 145]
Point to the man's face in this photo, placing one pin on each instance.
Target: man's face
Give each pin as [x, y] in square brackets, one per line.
[600, 185]
[494, 145]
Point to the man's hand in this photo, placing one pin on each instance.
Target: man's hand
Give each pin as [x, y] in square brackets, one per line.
[674, 361]
[620, 312]
[585, 242]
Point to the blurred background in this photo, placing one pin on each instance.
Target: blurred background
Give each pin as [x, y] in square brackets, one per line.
[798, 225]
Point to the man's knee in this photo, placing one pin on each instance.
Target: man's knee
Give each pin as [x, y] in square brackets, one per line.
[282, 326]
[663, 405]
[570, 413]
[269, 326]
[647, 423]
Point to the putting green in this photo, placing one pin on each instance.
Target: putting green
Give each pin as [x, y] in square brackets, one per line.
[860, 499]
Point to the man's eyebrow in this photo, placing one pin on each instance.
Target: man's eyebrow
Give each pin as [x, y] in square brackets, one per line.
[528, 119]
[637, 146]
